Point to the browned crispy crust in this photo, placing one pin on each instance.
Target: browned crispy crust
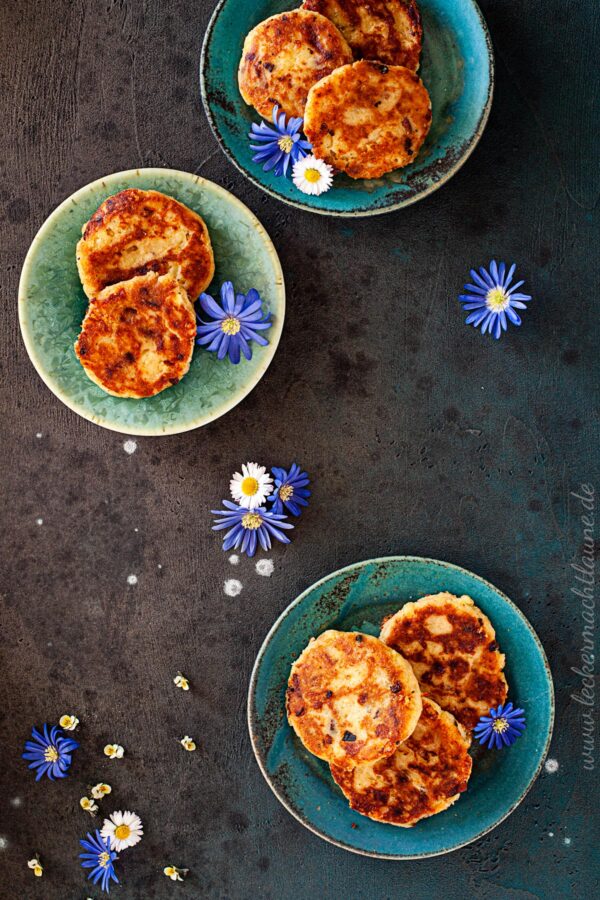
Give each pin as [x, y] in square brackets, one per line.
[425, 775]
[461, 667]
[137, 337]
[284, 56]
[350, 699]
[367, 118]
[389, 31]
[134, 232]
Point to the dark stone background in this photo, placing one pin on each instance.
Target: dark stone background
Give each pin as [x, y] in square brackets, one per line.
[421, 436]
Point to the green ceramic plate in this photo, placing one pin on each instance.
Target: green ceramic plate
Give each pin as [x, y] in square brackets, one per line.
[457, 68]
[357, 598]
[52, 305]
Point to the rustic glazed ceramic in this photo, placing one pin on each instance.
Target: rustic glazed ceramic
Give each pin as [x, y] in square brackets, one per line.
[456, 67]
[52, 305]
[358, 598]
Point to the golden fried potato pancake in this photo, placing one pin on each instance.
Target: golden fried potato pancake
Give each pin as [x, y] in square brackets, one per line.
[137, 337]
[452, 647]
[134, 232]
[351, 699]
[367, 119]
[284, 56]
[389, 31]
[426, 774]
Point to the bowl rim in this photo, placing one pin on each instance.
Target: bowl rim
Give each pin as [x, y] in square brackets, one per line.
[305, 207]
[30, 344]
[252, 716]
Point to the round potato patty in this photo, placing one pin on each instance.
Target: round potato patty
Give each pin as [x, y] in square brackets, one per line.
[351, 699]
[452, 647]
[134, 232]
[137, 337]
[389, 31]
[284, 56]
[426, 774]
[367, 118]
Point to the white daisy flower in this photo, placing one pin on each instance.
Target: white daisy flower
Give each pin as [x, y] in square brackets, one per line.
[181, 682]
[187, 743]
[100, 790]
[174, 873]
[252, 487]
[69, 723]
[114, 751]
[88, 805]
[312, 175]
[122, 830]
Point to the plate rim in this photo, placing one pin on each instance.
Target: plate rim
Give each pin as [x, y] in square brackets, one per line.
[30, 344]
[348, 214]
[251, 715]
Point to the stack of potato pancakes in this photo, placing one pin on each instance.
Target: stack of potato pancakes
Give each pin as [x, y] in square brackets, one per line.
[364, 117]
[392, 715]
[143, 260]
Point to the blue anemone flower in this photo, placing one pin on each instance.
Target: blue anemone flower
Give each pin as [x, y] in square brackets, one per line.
[248, 527]
[99, 858]
[236, 322]
[492, 301]
[501, 728]
[278, 145]
[49, 753]
[290, 490]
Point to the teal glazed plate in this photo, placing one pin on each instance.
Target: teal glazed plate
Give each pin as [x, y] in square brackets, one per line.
[357, 598]
[457, 69]
[52, 305]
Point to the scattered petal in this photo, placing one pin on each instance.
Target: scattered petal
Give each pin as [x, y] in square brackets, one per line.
[174, 873]
[114, 751]
[88, 805]
[187, 743]
[69, 723]
[181, 682]
[35, 864]
[101, 790]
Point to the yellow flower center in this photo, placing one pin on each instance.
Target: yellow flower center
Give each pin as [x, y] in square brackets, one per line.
[285, 492]
[122, 832]
[251, 521]
[249, 487]
[50, 754]
[497, 299]
[500, 725]
[230, 325]
[312, 175]
[285, 144]
[103, 860]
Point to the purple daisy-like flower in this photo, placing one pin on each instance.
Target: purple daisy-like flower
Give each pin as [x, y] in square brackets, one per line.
[249, 527]
[501, 728]
[238, 321]
[492, 300]
[279, 144]
[49, 753]
[290, 490]
[99, 858]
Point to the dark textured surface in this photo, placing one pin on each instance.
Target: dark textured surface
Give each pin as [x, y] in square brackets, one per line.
[422, 437]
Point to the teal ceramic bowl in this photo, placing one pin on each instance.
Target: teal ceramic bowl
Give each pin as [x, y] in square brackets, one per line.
[357, 598]
[456, 67]
[52, 305]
